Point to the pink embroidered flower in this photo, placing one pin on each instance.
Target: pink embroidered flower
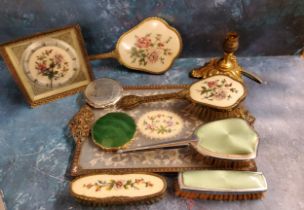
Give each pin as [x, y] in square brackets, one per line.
[51, 66]
[119, 184]
[41, 67]
[150, 49]
[143, 42]
[169, 123]
[58, 58]
[150, 127]
[153, 57]
[138, 181]
[220, 94]
[212, 84]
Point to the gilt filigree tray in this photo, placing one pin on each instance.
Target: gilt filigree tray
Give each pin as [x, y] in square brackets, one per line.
[156, 122]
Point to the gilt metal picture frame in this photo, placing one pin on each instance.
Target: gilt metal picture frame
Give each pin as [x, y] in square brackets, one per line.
[49, 65]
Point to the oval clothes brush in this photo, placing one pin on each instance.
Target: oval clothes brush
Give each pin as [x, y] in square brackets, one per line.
[113, 131]
[223, 185]
[117, 189]
[228, 143]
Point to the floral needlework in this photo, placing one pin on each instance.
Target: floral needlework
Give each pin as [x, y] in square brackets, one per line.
[160, 124]
[150, 49]
[218, 90]
[51, 65]
[112, 184]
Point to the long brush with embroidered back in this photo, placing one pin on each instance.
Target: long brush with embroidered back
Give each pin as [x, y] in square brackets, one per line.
[213, 98]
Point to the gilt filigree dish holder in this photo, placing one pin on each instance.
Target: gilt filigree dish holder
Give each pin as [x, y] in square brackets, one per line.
[156, 122]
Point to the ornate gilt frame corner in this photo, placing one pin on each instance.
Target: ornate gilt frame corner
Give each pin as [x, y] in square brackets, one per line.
[80, 127]
[11, 66]
[80, 124]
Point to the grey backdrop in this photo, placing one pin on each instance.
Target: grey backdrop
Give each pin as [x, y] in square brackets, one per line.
[267, 27]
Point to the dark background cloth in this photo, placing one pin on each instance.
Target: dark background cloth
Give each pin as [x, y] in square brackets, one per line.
[266, 27]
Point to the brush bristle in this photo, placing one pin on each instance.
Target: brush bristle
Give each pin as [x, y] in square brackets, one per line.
[248, 165]
[218, 196]
[115, 203]
[208, 114]
[227, 164]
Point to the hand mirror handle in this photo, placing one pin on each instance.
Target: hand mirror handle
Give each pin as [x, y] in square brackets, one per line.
[107, 55]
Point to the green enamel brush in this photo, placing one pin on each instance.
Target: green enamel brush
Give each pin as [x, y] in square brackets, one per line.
[221, 185]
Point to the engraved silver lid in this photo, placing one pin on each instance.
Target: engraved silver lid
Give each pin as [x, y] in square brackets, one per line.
[103, 92]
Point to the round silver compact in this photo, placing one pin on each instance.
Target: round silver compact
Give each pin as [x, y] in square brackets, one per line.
[103, 92]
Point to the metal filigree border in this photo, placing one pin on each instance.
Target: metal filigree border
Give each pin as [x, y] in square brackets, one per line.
[80, 130]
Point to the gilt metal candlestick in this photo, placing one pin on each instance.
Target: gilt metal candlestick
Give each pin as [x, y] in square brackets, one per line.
[228, 64]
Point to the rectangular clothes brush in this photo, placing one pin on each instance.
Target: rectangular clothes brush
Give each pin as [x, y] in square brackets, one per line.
[223, 185]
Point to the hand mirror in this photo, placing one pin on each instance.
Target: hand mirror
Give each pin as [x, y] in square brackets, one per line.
[231, 138]
[151, 46]
[103, 92]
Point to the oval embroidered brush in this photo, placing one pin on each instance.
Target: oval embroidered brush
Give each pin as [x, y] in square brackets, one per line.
[228, 143]
[118, 189]
[223, 185]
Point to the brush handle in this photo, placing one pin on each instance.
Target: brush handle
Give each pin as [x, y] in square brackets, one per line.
[168, 144]
[131, 101]
[111, 54]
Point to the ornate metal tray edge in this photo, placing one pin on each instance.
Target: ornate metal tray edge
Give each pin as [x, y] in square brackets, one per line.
[80, 126]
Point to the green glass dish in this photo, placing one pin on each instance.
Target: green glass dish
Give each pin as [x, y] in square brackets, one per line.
[113, 131]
